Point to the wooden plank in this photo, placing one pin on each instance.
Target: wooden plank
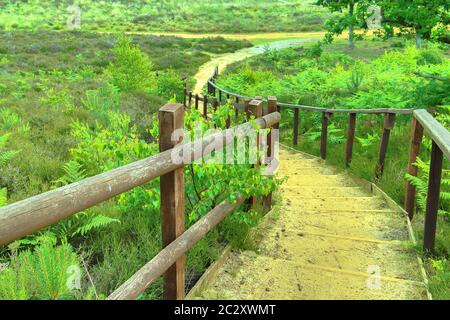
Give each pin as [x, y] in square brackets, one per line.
[389, 120]
[350, 138]
[434, 189]
[171, 118]
[435, 130]
[246, 110]
[414, 150]
[28, 216]
[271, 108]
[134, 286]
[295, 133]
[255, 109]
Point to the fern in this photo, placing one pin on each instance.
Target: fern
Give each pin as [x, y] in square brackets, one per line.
[369, 140]
[8, 118]
[74, 172]
[83, 222]
[41, 274]
[421, 184]
[94, 223]
[3, 195]
[5, 156]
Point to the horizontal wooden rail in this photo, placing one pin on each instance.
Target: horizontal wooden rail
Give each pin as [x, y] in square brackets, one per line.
[132, 288]
[312, 108]
[27, 216]
[436, 131]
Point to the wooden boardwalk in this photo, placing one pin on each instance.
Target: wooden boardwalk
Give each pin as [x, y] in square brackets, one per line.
[330, 238]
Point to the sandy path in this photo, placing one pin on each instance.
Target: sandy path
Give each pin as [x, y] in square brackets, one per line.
[330, 240]
[223, 60]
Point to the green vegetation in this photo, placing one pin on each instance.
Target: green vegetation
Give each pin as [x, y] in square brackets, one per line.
[76, 104]
[423, 19]
[207, 16]
[375, 74]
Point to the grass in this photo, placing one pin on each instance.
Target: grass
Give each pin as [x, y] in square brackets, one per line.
[50, 79]
[208, 16]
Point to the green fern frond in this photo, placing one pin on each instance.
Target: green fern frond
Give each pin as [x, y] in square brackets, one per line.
[94, 223]
[7, 156]
[74, 172]
[4, 140]
[3, 197]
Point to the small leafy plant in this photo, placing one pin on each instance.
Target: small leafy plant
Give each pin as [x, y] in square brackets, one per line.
[48, 272]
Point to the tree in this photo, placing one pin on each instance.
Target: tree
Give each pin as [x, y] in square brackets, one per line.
[420, 16]
[337, 25]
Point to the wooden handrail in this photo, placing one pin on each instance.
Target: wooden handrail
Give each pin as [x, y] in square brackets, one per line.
[134, 286]
[436, 131]
[33, 214]
[312, 108]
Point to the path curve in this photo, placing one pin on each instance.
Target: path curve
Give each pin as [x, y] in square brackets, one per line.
[224, 60]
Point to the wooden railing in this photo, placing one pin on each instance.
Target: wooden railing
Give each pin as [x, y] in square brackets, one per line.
[421, 120]
[25, 217]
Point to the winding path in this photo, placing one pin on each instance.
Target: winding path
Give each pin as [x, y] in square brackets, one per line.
[223, 60]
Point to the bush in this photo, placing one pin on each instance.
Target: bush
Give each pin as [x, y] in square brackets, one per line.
[131, 69]
[429, 56]
[44, 274]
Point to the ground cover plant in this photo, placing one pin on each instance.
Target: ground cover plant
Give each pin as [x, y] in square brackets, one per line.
[375, 74]
[205, 16]
[76, 104]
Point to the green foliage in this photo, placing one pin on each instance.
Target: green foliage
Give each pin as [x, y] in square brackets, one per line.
[43, 274]
[73, 172]
[419, 15]
[5, 156]
[421, 184]
[131, 70]
[8, 118]
[104, 148]
[200, 16]
[3, 197]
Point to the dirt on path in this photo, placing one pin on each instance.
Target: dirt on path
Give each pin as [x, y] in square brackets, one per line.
[331, 239]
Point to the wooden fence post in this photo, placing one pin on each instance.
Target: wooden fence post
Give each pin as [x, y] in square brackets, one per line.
[185, 95]
[236, 110]
[171, 118]
[220, 97]
[414, 150]
[324, 137]
[190, 99]
[205, 106]
[350, 138]
[271, 107]
[255, 108]
[246, 109]
[389, 121]
[434, 189]
[196, 101]
[295, 133]
[214, 104]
